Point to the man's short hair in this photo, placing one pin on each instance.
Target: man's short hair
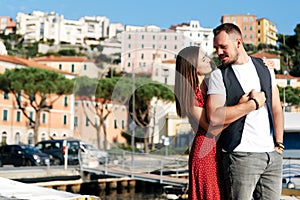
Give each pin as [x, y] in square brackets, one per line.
[229, 28]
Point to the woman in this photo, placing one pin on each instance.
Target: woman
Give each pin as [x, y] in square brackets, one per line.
[190, 93]
[205, 180]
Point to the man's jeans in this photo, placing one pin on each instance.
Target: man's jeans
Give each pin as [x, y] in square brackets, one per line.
[253, 175]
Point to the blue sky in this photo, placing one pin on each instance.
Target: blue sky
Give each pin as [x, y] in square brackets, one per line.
[163, 13]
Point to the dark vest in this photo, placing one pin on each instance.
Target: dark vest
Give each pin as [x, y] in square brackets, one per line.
[232, 135]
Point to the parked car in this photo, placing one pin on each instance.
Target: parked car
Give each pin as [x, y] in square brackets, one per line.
[57, 148]
[93, 153]
[22, 155]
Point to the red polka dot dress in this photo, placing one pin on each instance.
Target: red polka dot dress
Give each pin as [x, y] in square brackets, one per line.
[204, 181]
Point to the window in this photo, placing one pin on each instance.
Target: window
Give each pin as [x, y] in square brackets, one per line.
[30, 117]
[91, 28]
[66, 101]
[86, 121]
[84, 67]
[73, 68]
[245, 19]
[75, 121]
[43, 137]
[165, 37]
[175, 37]
[18, 117]
[153, 46]
[6, 96]
[32, 97]
[129, 55]
[143, 37]
[251, 28]
[19, 96]
[60, 66]
[115, 124]
[165, 56]
[44, 118]
[129, 36]
[245, 28]
[65, 120]
[142, 56]
[30, 139]
[123, 124]
[5, 115]
[142, 46]
[153, 37]
[17, 138]
[4, 138]
[129, 46]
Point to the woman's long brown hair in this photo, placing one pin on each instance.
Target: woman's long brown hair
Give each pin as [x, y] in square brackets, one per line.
[186, 80]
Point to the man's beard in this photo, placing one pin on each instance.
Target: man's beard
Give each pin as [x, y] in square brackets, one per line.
[233, 60]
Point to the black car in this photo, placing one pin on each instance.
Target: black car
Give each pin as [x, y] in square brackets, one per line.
[22, 155]
[58, 150]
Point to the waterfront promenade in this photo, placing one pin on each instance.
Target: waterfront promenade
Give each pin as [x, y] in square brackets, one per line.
[168, 170]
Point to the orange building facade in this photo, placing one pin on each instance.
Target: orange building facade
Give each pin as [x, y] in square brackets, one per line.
[247, 24]
[66, 118]
[16, 128]
[87, 120]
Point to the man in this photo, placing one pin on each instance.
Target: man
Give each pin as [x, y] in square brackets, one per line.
[253, 142]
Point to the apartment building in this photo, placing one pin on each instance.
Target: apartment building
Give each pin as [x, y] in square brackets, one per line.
[7, 25]
[266, 32]
[79, 66]
[15, 127]
[164, 71]
[87, 121]
[41, 26]
[255, 31]
[141, 45]
[247, 24]
[94, 29]
[272, 57]
[199, 36]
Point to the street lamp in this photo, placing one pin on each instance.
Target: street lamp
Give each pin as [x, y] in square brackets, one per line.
[284, 98]
[133, 113]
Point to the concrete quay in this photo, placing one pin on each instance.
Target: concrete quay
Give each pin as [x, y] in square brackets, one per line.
[10, 189]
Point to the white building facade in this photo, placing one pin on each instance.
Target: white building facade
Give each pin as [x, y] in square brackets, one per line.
[199, 36]
[142, 45]
[41, 26]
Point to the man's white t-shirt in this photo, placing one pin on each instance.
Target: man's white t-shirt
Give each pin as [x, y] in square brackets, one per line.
[257, 136]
